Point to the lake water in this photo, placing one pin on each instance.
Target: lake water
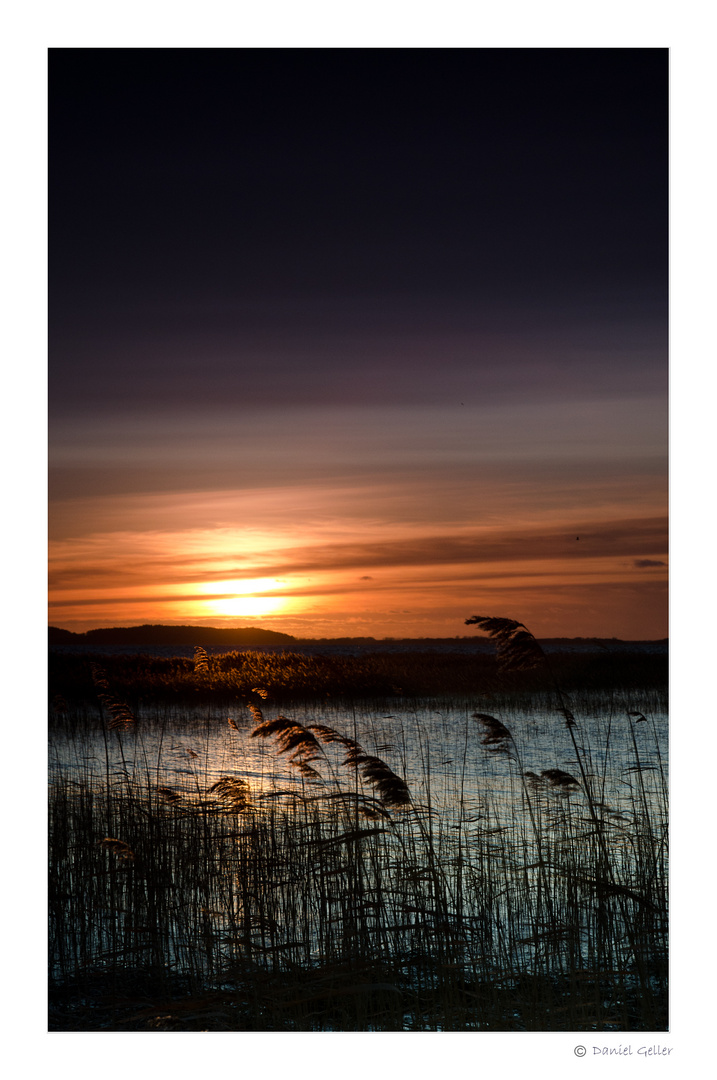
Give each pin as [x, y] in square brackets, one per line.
[437, 749]
[471, 815]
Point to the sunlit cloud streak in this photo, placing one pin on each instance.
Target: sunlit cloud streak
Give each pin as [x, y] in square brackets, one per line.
[101, 574]
[393, 347]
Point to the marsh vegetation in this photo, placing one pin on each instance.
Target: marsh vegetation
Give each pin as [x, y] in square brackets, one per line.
[242, 857]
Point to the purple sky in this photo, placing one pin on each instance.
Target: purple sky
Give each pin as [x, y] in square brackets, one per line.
[345, 305]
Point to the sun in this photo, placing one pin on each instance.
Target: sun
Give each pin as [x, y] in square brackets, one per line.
[245, 597]
[246, 605]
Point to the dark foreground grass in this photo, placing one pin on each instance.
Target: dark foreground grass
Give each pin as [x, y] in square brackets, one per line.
[339, 903]
[329, 913]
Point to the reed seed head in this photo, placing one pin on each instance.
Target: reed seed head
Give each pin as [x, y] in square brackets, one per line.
[201, 660]
[495, 734]
[516, 648]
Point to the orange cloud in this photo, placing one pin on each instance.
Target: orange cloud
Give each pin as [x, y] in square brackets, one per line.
[313, 580]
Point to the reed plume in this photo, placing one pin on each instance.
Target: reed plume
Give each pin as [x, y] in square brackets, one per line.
[99, 677]
[234, 791]
[392, 790]
[555, 778]
[516, 647]
[169, 794]
[559, 778]
[292, 738]
[495, 736]
[306, 770]
[201, 660]
[331, 735]
[533, 781]
[567, 714]
[120, 713]
[518, 650]
[119, 848]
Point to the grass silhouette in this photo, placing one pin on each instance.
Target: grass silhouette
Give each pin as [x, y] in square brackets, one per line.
[319, 886]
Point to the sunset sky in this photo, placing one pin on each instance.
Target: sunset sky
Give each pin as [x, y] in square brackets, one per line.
[359, 342]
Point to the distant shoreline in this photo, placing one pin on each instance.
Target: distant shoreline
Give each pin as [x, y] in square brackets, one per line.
[181, 641]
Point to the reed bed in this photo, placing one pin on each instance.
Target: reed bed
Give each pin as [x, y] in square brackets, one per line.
[293, 676]
[429, 867]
